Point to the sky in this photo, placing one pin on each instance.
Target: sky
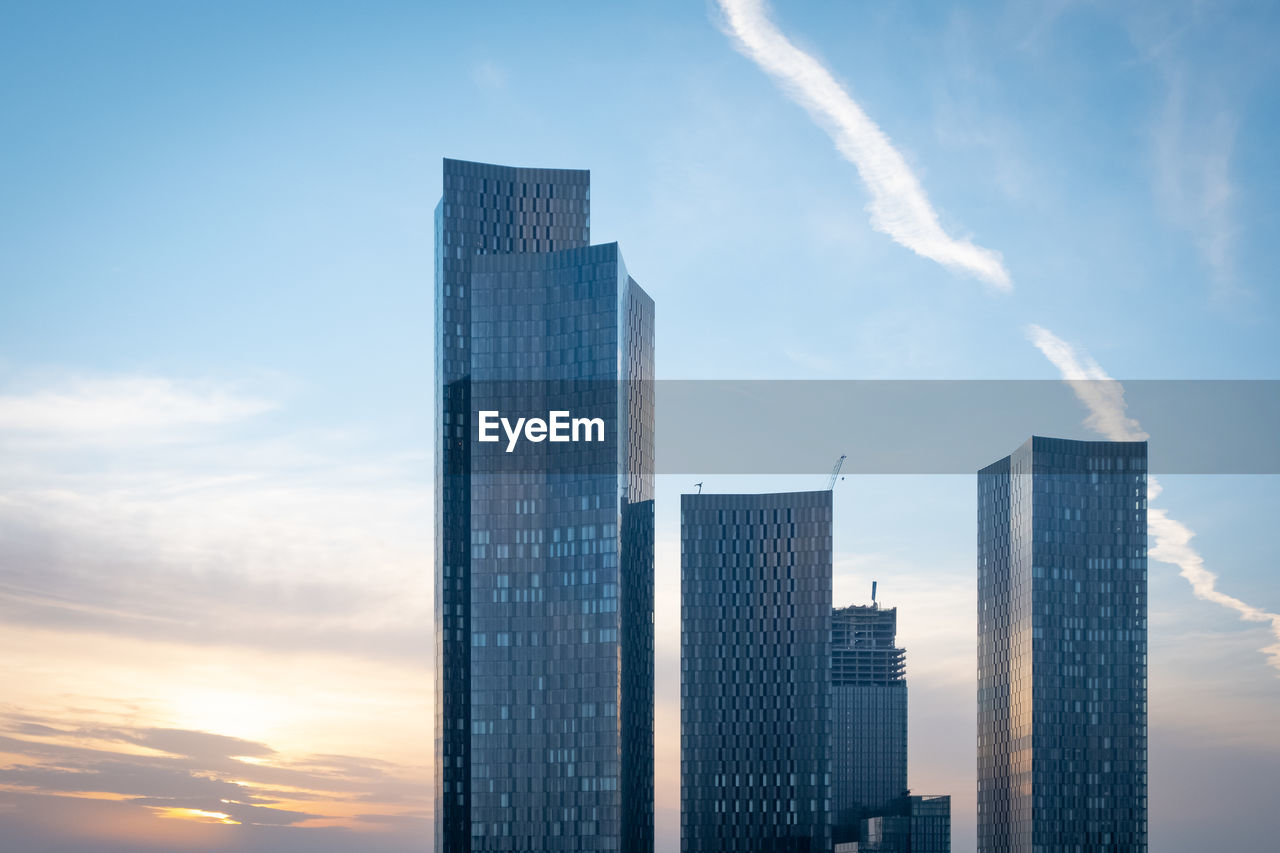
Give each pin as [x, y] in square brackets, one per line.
[216, 358]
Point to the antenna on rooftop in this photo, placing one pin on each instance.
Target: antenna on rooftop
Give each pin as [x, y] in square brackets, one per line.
[699, 485]
[873, 592]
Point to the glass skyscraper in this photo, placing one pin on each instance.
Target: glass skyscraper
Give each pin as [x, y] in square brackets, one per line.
[755, 685]
[869, 734]
[1062, 649]
[544, 554]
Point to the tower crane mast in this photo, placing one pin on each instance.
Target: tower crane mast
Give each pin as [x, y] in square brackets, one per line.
[835, 471]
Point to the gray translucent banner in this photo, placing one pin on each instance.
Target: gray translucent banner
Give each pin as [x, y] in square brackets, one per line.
[883, 426]
[953, 427]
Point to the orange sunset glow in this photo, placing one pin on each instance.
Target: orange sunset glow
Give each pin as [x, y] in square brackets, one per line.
[357, 496]
[197, 815]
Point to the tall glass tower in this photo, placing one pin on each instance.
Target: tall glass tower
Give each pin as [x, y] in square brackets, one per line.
[1062, 648]
[869, 734]
[755, 662]
[544, 553]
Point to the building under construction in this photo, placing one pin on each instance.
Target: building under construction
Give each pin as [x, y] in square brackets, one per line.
[869, 704]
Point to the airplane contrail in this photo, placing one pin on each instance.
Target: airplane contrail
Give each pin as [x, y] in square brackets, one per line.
[899, 206]
[1104, 398]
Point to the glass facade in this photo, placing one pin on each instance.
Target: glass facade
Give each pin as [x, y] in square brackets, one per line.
[869, 735]
[1062, 649]
[930, 824]
[915, 825]
[755, 686]
[544, 567]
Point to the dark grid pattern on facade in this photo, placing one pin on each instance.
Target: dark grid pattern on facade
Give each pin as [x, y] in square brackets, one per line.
[755, 672]
[541, 660]
[1062, 597]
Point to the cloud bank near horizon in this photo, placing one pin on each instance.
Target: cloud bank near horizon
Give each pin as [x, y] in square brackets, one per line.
[124, 404]
[1104, 398]
[899, 206]
[202, 605]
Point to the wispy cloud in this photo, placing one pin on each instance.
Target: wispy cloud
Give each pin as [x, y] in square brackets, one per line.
[225, 590]
[202, 777]
[1193, 135]
[899, 206]
[1045, 15]
[210, 536]
[1193, 150]
[129, 403]
[1104, 397]
[810, 361]
[489, 75]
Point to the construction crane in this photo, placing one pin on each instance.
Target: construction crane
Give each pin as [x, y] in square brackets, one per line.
[699, 485]
[835, 472]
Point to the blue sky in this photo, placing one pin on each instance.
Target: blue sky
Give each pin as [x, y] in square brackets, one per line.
[215, 347]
